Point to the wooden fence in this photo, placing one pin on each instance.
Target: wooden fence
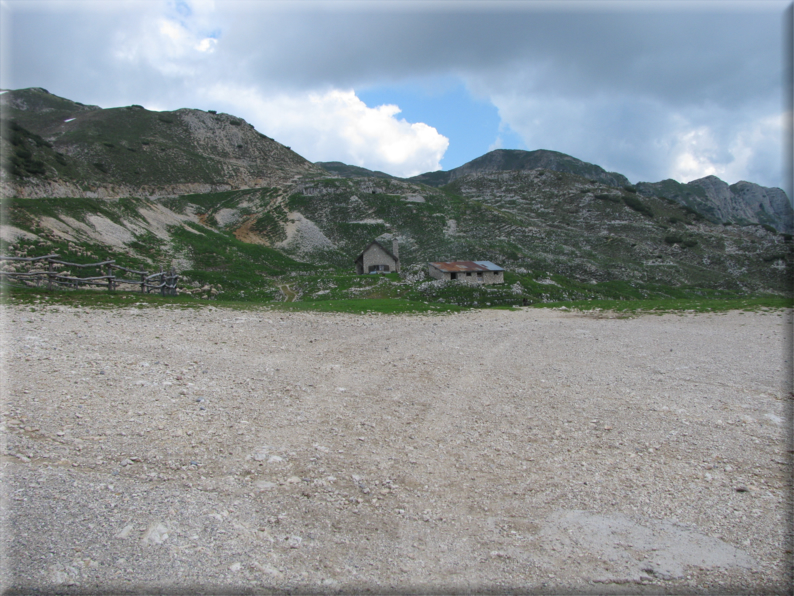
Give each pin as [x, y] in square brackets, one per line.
[166, 282]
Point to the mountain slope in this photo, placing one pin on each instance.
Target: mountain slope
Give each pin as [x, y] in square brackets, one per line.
[741, 203]
[346, 171]
[569, 218]
[85, 151]
[515, 159]
[536, 220]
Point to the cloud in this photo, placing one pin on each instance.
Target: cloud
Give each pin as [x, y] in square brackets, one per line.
[336, 125]
[650, 89]
[174, 42]
[748, 150]
[646, 139]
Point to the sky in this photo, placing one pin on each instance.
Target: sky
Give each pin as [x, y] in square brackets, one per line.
[651, 89]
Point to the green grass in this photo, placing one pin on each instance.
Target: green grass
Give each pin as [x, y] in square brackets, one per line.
[36, 297]
[386, 306]
[677, 305]
[16, 294]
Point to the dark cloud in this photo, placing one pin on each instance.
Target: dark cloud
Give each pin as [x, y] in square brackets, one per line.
[627, 88]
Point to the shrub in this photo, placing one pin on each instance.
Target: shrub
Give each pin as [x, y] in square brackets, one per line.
[769, 228]
[165, 119]
[101, 167]
[634, 203]
[690, 211]
[212, 111]
[629, 188]
[36, 167]
[674, 220]
[235, 122]
[109, 145]
[607, 197]
[673, 239]
[690, 242]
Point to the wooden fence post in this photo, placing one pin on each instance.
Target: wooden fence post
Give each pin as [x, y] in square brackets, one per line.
[143, 281]
[110, 277]
[162, 283]
[50, 270]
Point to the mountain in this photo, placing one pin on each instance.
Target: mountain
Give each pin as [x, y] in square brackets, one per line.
[501, 160]
[57, 147]
[741, 203]
[224, 204]
[346, 171]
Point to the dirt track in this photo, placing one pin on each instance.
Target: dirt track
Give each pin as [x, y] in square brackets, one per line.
[528, 450]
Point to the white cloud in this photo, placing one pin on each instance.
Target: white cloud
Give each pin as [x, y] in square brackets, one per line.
[646, 139]
[747, 150]
[692, 156]
[206, 45]
[173, 43]
[336, 125]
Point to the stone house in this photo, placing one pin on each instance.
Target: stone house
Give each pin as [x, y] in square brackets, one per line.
[483, 272]
[377, 259]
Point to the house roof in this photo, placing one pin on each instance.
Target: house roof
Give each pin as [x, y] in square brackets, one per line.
[458, 266]
[383, 248]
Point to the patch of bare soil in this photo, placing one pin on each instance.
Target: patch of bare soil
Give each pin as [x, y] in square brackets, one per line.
[246, 233]
[523, 451]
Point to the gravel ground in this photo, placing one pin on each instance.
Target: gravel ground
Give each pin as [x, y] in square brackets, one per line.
[530, 450]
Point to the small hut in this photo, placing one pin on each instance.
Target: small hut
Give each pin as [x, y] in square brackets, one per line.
[375, 258]
[483, 272]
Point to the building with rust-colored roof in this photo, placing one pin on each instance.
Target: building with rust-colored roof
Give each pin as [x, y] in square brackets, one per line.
[483, 272]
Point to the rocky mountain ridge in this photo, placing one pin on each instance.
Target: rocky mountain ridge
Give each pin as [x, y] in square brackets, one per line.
[741, 203]
[517, 160]
[56, 147]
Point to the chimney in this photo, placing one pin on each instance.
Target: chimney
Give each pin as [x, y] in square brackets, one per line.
[395, 252]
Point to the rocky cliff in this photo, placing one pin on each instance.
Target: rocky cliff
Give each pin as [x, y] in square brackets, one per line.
[741, 203]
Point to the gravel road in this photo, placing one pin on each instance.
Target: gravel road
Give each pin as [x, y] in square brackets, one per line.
[529, 450]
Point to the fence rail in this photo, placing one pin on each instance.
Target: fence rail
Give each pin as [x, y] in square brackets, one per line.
[164, 281]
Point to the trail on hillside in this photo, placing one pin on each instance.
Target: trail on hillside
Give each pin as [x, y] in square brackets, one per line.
[288, 293]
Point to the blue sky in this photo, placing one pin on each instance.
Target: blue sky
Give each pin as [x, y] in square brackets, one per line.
[472, 125]
[652, 89]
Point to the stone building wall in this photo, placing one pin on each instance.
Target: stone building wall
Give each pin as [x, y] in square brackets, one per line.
[375, 255]
[486, 277]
